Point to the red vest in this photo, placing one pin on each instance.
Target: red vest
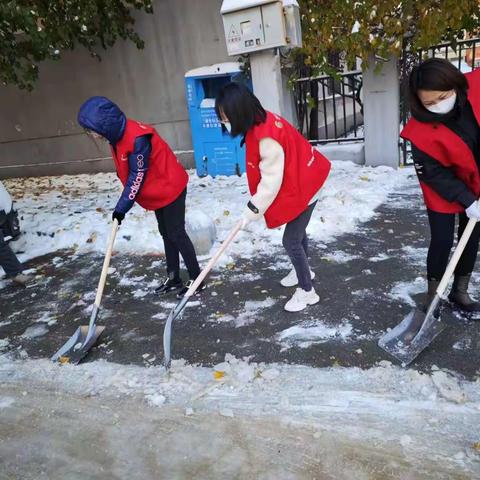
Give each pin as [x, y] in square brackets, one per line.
[165, 179]
[440, 143]
[305, 169]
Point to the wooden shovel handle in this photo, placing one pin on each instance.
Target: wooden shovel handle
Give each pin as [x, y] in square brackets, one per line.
[456, 256]
[214, 259]
[106, 263]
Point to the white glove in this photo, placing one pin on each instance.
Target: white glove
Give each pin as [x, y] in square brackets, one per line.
[250, 216]
[473, 211]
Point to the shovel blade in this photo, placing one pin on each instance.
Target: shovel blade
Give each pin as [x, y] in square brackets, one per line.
[403, 343]
[77, 345]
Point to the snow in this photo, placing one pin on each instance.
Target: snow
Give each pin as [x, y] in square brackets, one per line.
[380, 406]
[428, 417]
[404, 291]
[339, 257]
[6, 402]
[448, 387]
[35, 331]
[313, 332]
[251, 310]
[74, 212]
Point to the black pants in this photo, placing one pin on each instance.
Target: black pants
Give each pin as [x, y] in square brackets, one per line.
[171, 223]
[442, 229]
[8, 260]
[295, 242]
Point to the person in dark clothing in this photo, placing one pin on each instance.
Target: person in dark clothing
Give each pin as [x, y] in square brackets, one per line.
[8, 260]
[445, 136]
[152, 177]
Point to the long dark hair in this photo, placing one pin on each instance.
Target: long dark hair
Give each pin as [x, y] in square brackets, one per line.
[434, 74]
[241, 107]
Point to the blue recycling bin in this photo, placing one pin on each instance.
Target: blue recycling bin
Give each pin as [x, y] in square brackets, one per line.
[215, 152]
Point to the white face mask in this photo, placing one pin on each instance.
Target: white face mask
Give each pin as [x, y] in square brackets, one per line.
[445, 106]
[228, 126]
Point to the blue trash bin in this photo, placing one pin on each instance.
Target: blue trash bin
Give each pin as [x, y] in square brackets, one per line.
[215, 152]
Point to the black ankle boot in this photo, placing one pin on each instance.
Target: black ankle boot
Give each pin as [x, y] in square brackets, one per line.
[170, 284]
[459, 294]
[430, 295]
[184, 290]
[432, 290]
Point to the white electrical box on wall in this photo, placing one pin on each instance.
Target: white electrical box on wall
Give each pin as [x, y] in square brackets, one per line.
[253, 25]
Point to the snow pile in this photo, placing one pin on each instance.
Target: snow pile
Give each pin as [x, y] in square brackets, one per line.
[431, 417]
[75, 211]
[390, 384]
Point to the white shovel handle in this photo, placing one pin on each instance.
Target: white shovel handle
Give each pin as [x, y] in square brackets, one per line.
[214, 259]
[456, 256]
[106, 263]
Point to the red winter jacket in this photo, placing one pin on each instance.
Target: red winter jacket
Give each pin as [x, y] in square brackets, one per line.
[165, 179]
[305, 169]
[447, 148]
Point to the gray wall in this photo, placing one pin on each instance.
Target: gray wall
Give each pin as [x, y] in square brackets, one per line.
[38, 131]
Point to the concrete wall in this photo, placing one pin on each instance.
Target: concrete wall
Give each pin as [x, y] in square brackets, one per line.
[38, 131]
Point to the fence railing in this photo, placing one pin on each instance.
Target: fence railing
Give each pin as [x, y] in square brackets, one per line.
[329, 108]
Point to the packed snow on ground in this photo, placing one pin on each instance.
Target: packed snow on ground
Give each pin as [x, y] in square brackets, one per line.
[427, 420]
[75, 211]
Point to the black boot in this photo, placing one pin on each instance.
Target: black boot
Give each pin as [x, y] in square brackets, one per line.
[184, 290]
[432, 290]
[172, 283]
[459, 294]
[430, 295]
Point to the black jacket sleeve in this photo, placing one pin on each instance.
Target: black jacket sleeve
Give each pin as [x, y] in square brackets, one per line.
[441, 179]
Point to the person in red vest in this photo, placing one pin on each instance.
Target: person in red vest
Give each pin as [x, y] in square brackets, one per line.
[152, 177]
[285, 175]
[445, 136]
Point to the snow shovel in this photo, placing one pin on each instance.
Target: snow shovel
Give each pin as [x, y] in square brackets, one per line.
[418, 329]
[85, 336]
[177, 310]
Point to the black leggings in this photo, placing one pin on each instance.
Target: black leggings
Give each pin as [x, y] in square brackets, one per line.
[171, 223]
[8, 261]
[442, 229]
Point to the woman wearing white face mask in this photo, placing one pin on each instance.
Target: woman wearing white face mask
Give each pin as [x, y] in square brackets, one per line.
[445, 136]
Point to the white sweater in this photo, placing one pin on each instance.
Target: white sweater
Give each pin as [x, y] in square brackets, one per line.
[272, 165]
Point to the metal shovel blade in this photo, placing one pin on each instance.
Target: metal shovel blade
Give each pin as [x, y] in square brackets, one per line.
[405, 341]
[167, 332]
[78, 345]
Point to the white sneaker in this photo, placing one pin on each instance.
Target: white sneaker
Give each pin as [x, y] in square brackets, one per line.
[291, 279]
[301, 299]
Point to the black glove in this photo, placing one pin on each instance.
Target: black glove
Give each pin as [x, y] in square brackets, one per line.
[118, 215]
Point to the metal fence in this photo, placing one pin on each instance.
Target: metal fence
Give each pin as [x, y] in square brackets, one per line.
[329, 108]
[464, 54]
